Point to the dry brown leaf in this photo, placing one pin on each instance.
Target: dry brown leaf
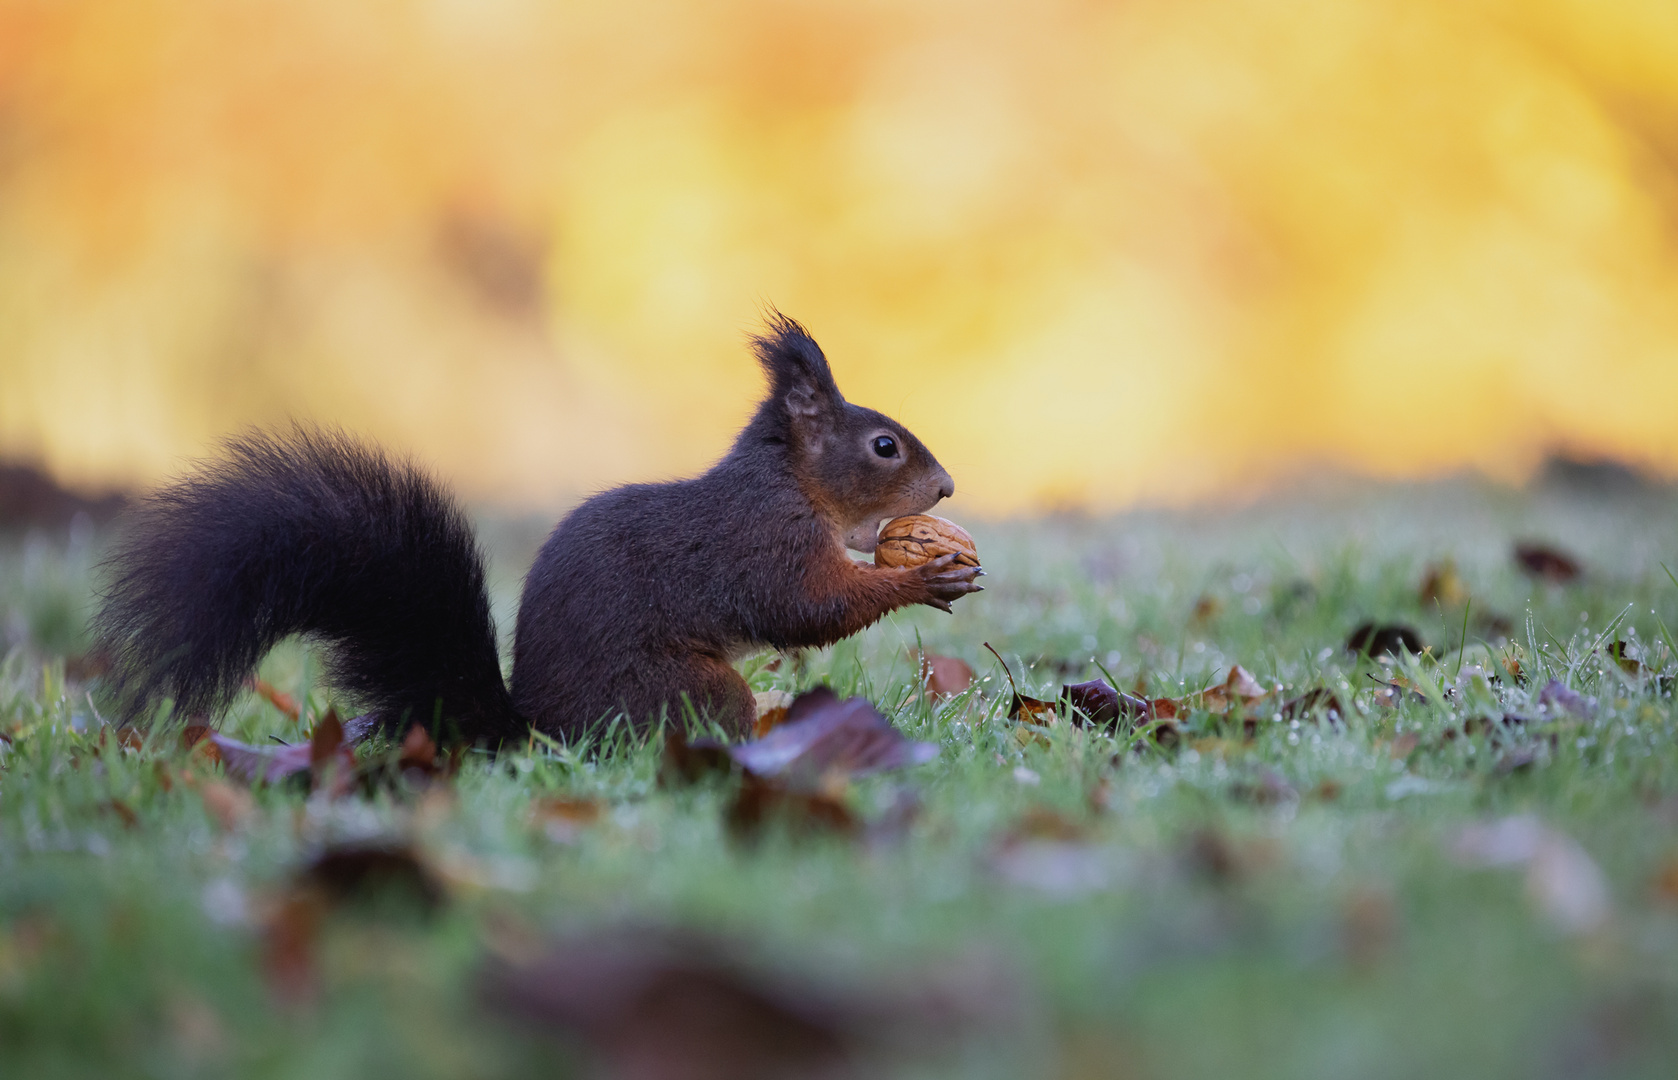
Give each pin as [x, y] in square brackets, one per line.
[373, 873]
[331, 761]
[1665, 883]
[418, 751]
[943, 676]
[1384, 639]
[1044, 823]
[1022, 709]
[277, 698]
[290, 941]
[655, 1004]
[1546, 563]
[763, 803]
[1442, 585]
[1239, 689]
[684, 762]
[772, 706]
[824, 736]
[1368, 925]
[563, 818]
[122, 810]
[1403, 746]
[1620, 654]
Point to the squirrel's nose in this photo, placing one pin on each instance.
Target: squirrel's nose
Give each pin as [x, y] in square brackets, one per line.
[946, 486]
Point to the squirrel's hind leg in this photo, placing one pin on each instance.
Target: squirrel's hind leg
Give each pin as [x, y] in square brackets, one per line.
[714, 689]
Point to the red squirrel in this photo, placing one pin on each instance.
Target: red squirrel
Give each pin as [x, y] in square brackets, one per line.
[636, 606]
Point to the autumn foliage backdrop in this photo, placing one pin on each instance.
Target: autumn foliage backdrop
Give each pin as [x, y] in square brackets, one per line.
[1092, 252]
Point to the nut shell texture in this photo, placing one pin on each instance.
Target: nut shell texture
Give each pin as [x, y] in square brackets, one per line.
[920, 538]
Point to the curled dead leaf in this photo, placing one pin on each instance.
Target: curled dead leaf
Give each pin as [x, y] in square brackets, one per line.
[825, 737]
[762, 803]
[1384, 639]
[1546, 563]
[1102, 704]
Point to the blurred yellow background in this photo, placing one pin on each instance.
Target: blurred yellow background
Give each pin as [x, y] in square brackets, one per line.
[1091, 252]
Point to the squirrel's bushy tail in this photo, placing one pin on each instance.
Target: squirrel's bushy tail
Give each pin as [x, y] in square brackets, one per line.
[307, 533]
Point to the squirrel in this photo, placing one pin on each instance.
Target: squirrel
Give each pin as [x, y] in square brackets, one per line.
[636, 605]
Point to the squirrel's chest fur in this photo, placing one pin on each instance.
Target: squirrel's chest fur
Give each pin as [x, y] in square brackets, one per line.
[644, 571]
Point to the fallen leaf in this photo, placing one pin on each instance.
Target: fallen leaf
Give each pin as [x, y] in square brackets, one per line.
[1619, 653]
[1368, 924]
[196, 738]
[562, 818]
[1206, 608]
[418, 751]
[264, 764]
[944, 676]
[373, 874]
[684, 762]
[1388, 639]
[123, 811]
[1546, 563]
[1164, 708]
[1270, 788]
[771, 708]
[762, 803]
[331, 761]
[1665, 883]
[290, 941]
[656, 1004]
[126, 737]
[1239, 689]
[1391, 695]
[1441, 584]
[824, 736]
[1102, 704]
[277, 698]
[1557, 697]
[1403, 746]
[1320, 701]
[1043, 823]
[1025, 710]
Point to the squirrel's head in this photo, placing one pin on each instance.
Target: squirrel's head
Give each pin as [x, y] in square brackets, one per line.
[858, 467]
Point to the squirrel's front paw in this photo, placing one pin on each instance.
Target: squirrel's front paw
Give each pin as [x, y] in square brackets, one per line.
[945, 580]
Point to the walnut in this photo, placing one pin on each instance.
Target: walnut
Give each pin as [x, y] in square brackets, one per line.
[920, 538]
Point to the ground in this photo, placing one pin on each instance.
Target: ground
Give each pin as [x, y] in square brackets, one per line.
[1463, 876]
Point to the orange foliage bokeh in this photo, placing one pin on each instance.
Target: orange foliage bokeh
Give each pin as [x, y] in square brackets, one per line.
[1090, 252]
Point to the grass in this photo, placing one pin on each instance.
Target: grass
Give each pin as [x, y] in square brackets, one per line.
[1287, 905]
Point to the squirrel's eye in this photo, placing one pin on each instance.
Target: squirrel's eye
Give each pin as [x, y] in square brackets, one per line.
[885, 446]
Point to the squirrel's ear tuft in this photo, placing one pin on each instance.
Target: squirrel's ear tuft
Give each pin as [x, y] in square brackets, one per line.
[799, 378]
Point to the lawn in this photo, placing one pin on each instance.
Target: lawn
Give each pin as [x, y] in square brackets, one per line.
[1470, 870]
